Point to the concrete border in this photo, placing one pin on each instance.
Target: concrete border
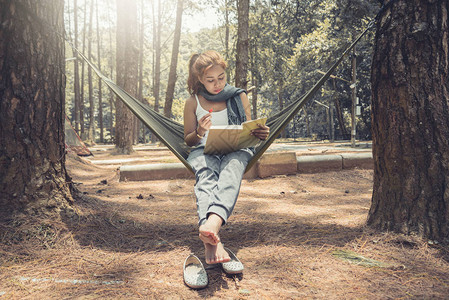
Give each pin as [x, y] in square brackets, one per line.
[277, 163]
[154, 172]
[270, 164]
[358, 160]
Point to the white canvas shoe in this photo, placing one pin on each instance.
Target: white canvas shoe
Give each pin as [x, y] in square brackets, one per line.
[195, 275]
[234, 266]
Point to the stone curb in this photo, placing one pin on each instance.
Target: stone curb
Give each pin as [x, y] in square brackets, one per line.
[358, 160]
[277, 163]
[154, 172]
[334, 162]
[270, 164]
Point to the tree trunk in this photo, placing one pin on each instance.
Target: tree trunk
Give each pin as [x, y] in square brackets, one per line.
[141, 126]
[174, 62]
[156, 57]
[254, 99]
[281, 99]
[82, 132]
[126, 72]
[91, 135]
[111, 65]
[157, 51]
[33, 177]
[331, 119]
[76, 71]
[100, 92]
[227, 30]
[353, 98]
[339, 113]
[307, 118]
[241, 62]
[255, 73]
[410, 110]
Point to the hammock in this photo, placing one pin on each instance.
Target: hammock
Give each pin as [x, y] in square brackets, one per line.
[171, 133]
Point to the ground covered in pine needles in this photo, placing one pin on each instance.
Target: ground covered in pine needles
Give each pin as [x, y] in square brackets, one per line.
[299, 237]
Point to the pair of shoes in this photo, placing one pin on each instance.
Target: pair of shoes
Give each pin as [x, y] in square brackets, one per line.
[195, 275]
[234, 266]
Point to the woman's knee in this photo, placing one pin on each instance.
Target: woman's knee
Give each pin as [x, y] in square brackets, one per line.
[205, 174]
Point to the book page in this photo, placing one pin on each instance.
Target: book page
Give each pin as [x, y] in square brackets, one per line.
[247, 140]
[228, 138]
[222, 139]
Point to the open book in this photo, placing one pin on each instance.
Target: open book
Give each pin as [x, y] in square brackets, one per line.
[228, 138]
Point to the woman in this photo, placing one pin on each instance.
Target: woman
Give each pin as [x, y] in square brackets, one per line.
[218, 177]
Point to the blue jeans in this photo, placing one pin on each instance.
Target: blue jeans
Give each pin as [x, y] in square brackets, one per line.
[218, 181]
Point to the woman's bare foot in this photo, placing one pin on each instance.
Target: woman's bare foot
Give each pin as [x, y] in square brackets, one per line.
[209, 230]
[209, 238]
[216, 253]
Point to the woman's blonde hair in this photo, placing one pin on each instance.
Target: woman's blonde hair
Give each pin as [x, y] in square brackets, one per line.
[198, 65]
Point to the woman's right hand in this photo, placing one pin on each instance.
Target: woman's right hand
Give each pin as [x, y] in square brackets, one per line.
[204, 124]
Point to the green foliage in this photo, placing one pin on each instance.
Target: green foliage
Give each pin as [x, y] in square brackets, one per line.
[293, 41]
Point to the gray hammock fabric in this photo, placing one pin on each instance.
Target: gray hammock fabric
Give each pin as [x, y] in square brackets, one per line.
[171, 133]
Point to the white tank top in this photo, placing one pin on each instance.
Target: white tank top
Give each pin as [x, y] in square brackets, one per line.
[218, 118]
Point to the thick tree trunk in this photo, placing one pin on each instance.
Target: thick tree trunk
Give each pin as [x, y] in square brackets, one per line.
[241, 62]
[410, 113]
[174, 62]
[32, 88]
[126, 72]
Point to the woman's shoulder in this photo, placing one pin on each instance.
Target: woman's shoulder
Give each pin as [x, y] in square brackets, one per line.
[191, 102]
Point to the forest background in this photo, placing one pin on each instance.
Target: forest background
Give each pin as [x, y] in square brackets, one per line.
[290, 44]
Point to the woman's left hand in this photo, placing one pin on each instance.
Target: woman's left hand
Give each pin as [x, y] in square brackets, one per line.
[262, 132]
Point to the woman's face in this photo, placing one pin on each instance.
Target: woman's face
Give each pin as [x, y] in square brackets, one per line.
[214, 79]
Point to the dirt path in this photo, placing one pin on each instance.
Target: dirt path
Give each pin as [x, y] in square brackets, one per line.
[299, 237]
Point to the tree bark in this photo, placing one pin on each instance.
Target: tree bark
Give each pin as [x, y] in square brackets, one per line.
[241, 62]
[157, 52]
[174, 62]
[141, 126]
[280, 91]
[76, 71]
[33, 177]
[255, 82]
[353, 98]
[410, 113]
[100, 92]
[111, 76]
[91, 132]
[339, 113]
[82, 132]
[157, 24]
[227, 55]
[126, 72]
